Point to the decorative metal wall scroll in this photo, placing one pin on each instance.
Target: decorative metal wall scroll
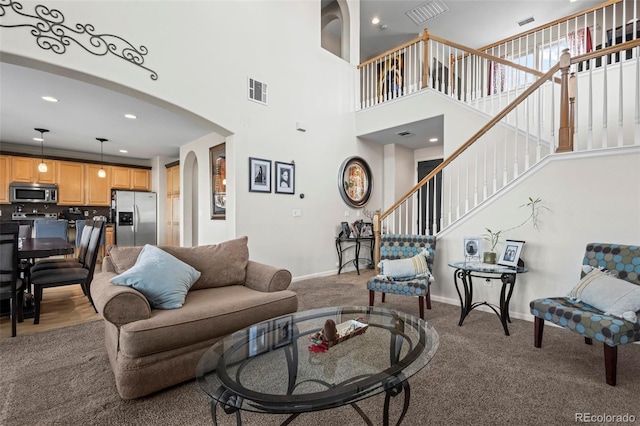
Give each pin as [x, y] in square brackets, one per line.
[47, 26]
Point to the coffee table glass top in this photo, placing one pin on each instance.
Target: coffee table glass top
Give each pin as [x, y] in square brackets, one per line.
[268, 367]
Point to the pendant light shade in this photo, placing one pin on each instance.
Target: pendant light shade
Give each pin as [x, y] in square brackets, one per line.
[101, 173]
[42, 167]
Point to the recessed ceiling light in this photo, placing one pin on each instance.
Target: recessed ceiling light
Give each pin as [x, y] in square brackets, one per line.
[433, 140]
[130, 116]
[375, 21]
[124, 151]
[49, 99]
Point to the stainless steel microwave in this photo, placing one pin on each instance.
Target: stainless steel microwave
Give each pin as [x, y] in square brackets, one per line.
[20, 192]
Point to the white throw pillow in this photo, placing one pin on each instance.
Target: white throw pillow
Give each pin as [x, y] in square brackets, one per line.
[415, 266]
[162, 278]
[611, 295]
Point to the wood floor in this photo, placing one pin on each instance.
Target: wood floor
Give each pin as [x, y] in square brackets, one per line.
[61, 307]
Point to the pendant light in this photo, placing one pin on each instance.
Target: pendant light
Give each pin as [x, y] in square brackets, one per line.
[101, 172]
[42, 167]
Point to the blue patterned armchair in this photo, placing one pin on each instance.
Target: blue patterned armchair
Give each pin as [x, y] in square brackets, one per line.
[622, 261]
[400, 246]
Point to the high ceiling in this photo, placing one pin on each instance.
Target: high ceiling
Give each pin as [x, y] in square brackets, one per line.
[86, 111]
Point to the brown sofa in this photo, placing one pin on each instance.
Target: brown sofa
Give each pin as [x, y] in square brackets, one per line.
[152, 349]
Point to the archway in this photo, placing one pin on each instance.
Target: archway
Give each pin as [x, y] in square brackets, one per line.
[190, 210]
[335, 29]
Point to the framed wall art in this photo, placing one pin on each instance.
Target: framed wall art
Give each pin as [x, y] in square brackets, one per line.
[355, 182]
[511, 253]
[218, 163]
[259, 175]
[285, 178]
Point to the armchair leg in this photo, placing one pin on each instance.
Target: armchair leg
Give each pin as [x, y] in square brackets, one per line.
[383, 296]
[37, 295]
[611, 363]
[421, 302]
[429, 297]
[372, 297]
[538, 328]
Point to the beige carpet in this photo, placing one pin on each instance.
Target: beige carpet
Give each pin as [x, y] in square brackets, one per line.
[478, 377]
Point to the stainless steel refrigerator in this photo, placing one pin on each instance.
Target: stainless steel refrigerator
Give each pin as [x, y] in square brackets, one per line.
[135, 217]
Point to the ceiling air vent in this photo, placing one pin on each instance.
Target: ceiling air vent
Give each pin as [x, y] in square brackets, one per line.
[426, 11]
[257, 91]
[526, 21]
[404, 134]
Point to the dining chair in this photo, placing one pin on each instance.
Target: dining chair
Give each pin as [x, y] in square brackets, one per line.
[82, 242]
[50, 228]
[57, 277]
[11, 287]
[24, 265]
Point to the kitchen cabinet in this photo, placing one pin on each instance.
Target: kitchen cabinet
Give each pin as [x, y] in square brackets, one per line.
[173, 206]
[71, 178]
[25, 169]
[130, 178]
[140, 179]
[5, 178]
[109, 235]
[98, 190]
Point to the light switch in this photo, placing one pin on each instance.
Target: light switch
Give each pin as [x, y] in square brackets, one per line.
[346, 213]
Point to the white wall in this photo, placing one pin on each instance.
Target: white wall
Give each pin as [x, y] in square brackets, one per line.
[593, 198]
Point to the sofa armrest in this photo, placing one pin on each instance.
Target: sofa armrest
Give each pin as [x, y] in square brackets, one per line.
[118, 304]
[266, 278]
[107, 264]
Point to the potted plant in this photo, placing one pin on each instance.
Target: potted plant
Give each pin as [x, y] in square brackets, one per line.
[494, 237]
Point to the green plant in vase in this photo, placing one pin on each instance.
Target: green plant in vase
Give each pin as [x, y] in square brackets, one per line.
[494, 237]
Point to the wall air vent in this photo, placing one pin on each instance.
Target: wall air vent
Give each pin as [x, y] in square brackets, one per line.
[526, 21]
[257, 91]
[426, 11]
[404, 134]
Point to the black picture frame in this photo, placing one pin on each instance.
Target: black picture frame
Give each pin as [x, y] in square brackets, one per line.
[218, 161]
[355, 182]
[283, 331]
[511, 253]
[285, 178]
[259, 175]
[345, 230]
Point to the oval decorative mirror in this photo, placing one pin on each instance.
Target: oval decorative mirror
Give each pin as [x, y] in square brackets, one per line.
[355, 182]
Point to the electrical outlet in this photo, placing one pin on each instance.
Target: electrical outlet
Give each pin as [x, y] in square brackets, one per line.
[86, 213]
[297, 212]
[346, 213]
[487, 283]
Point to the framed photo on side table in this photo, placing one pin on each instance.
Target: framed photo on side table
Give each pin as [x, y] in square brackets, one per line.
[259, 175]
[511, 253]
[258, 339]
[472, 248]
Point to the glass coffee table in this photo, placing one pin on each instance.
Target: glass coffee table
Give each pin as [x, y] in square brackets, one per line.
[270, 367]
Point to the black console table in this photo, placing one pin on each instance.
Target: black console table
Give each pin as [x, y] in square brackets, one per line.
[343, 244]
[464, 271]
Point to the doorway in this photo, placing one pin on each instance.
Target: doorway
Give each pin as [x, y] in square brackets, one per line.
[430, 198]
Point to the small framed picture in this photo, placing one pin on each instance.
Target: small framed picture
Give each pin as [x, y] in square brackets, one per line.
[285, 178]
[283, 328]
[473, 248]
[366, 230]
[258, 339]
[259, 175]
[345, 230]
[511, 253]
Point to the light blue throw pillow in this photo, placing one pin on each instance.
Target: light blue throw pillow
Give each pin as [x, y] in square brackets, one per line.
[162, 278]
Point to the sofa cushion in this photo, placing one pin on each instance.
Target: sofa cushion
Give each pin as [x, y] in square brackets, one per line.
[611, 295]
[163, 279]
[123, 258]
[415, 266]
[220, 264]
[206, 314]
